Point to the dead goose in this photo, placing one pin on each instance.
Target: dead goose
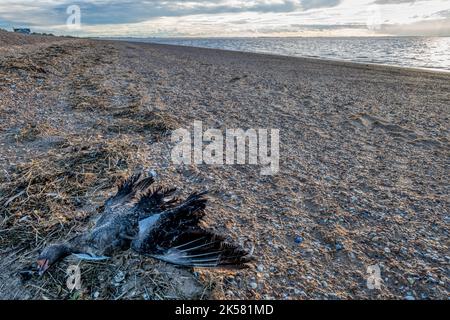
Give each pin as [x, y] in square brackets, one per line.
[147, 220]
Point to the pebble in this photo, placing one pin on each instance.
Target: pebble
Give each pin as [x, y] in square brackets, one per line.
[339, 246]
[260, 268]
[253, 285]
[299, 292]
[387, 250]
[152, 173]
[409, 297]
[96, 294]
[298, 239]
[230, 293]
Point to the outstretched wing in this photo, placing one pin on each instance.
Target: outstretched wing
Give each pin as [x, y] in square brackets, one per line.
[203, 249]
[155, 200]
[129, 190]
[177, 238]
[127, 195]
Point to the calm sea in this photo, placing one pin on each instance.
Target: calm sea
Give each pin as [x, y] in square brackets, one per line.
[418, 52]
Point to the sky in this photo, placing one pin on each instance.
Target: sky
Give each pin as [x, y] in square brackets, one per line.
[229, 18]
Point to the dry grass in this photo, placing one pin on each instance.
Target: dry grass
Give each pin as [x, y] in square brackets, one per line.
[88, 93]
[42, 195]
[156, 123]
[33, 131]
[21, 64]
[49, 198]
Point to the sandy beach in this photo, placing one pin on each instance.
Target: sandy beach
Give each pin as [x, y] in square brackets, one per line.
[363, 180]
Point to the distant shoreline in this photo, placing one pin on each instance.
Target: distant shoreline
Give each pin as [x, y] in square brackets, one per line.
[316, 57]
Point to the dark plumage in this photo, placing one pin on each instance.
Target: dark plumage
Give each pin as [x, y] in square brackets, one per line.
[153, 223]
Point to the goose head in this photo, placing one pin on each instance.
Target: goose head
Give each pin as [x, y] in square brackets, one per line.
[51, 255]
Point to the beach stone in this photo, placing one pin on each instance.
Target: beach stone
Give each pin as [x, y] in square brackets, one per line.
[230, 293]
[253, 285]
[299, 292]
[152, 173]
[298, 240]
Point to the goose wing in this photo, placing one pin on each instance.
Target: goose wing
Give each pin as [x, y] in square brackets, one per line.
[124, 201]
[203, 249]
[177, 238]
[129, 190]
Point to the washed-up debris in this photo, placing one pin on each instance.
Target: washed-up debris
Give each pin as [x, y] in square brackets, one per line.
[119, 278]
[46, 189]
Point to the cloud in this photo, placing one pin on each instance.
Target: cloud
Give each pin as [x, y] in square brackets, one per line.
[127, 11]
[314, 4]
[435, 28]
[394, 1]
[40, 12]
[230, 17]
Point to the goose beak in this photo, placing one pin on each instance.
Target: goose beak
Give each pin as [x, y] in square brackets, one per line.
[43, 266]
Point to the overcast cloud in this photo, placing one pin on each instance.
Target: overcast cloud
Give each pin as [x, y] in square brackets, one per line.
[233, 17]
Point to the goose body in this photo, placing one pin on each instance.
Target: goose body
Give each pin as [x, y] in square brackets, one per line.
[152, 223]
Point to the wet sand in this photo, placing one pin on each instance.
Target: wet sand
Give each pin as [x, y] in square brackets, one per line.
[363, 175]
